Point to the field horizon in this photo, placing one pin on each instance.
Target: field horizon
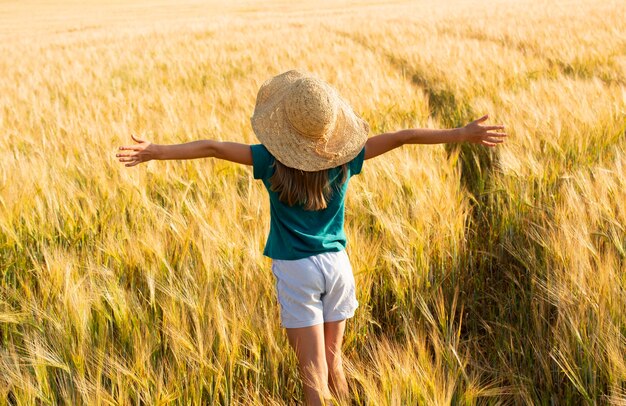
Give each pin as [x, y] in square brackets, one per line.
[484, 276]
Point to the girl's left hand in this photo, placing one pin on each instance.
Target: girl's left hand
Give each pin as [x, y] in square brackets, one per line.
[142, 152]
[479, 134]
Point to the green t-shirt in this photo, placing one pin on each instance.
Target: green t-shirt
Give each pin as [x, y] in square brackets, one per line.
[296, 233]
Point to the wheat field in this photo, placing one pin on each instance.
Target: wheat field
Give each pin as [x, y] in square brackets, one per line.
[484, 275]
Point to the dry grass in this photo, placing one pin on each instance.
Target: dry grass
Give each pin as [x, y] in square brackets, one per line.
[484, 276]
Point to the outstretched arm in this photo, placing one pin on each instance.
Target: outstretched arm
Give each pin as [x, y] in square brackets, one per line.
[146, 151]
[472, 132]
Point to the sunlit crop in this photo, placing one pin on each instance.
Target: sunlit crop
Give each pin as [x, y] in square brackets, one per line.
[484, 275]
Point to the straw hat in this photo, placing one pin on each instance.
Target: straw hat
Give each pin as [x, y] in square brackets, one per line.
[305, 124]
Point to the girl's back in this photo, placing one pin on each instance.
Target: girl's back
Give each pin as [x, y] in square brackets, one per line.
[295, 231]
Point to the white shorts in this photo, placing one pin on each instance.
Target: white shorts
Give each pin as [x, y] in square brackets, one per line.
[315, 289]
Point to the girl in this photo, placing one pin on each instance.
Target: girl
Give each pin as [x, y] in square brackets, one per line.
[312, 142]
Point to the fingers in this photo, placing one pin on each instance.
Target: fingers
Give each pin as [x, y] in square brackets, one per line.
[482, 134]
[134, 147]
[491, 142]
[129, 159]
[136, 139]
[483, 118]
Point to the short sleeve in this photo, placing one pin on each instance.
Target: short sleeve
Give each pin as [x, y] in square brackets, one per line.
[357, 163]
[262, 161]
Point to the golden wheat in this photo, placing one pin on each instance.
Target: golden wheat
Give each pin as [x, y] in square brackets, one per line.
[491, 276]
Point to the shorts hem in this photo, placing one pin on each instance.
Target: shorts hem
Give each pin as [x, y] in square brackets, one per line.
[340, 316]
[299, 324]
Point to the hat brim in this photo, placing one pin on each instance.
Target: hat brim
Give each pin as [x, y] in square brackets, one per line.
[339, 145]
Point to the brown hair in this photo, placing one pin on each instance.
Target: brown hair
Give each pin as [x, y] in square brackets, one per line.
[311, 189]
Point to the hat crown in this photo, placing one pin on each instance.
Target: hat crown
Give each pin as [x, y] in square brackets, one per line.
[311, 107]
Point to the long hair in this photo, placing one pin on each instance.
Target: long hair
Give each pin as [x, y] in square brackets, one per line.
[311, 189]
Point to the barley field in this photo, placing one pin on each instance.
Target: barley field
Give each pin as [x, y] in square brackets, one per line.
[484, 275]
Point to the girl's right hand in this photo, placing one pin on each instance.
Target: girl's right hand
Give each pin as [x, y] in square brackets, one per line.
[479, 134]
[142, 152]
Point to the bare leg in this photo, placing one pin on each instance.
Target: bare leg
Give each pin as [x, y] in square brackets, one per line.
[308, 343]
[333, 338]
